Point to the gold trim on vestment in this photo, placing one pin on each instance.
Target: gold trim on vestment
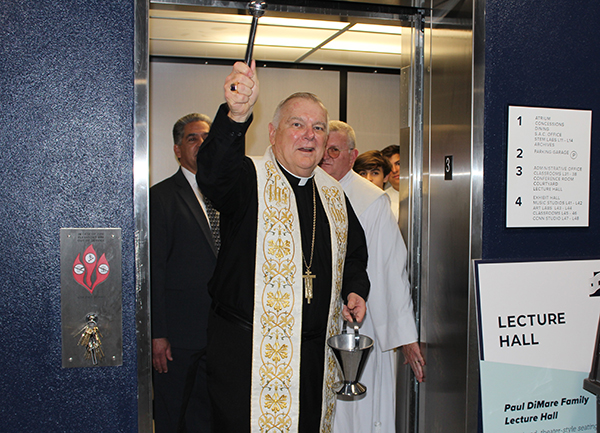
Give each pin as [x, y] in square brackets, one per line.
[334, 202]
[278, 299]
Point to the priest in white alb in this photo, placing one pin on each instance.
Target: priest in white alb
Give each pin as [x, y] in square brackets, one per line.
[292, 262]
[390, 318]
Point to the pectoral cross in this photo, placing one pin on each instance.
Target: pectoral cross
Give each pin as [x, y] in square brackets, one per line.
[308, 285]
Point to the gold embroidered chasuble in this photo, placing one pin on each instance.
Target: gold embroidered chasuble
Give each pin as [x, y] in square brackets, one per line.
[278, 299]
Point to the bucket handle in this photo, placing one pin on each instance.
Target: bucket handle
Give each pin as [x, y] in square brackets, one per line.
[356, 335]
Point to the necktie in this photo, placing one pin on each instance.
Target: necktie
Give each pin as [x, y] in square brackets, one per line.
[213, 220]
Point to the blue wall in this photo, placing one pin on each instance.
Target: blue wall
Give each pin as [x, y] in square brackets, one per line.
[541, 54]
[66, 135]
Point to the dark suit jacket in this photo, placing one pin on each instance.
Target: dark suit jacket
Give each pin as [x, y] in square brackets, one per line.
[182, 260]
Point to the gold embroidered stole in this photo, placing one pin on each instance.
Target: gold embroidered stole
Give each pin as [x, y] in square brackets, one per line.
[278, 298]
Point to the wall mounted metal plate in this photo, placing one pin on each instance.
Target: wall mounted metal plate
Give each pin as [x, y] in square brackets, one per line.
[91, 297]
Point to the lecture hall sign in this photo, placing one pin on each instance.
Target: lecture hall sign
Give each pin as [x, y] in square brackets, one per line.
[548, 167]
[537, 330]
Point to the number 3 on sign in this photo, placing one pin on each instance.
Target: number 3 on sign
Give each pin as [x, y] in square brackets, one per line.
[519, 169]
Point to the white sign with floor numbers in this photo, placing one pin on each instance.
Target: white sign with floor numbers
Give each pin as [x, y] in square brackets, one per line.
[548, 167]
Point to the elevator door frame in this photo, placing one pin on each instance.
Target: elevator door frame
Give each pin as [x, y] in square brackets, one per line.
[414, 118]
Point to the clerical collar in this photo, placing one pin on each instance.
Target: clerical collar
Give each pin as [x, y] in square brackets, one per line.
[301, 180]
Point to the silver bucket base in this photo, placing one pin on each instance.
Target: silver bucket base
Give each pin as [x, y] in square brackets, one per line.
[351, 353]
[349, 389]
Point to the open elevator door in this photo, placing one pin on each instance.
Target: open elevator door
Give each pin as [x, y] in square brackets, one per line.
[352, 66]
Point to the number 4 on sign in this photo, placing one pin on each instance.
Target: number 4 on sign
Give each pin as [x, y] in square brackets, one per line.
[518, 201]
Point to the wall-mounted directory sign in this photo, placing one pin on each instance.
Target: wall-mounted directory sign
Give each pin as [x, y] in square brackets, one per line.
[537, 330]
[548, 167]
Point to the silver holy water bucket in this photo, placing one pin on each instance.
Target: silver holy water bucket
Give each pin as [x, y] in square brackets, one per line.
[351, 352]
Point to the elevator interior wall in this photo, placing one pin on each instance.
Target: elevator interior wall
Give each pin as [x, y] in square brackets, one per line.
[443, 250]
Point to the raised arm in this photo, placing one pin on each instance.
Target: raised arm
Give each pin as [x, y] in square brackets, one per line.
[223, 170]
[241, 91]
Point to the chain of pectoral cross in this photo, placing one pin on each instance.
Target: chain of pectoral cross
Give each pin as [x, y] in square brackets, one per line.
[308, 277]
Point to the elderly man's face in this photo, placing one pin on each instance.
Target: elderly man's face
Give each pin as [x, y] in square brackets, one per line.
[299, 139]
[338, 159]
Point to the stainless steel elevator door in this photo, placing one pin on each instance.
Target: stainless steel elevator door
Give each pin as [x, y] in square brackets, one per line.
[413, 88]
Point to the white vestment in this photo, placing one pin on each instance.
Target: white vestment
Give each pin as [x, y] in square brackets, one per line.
[390, 318]
[395, 199]
[278, 300]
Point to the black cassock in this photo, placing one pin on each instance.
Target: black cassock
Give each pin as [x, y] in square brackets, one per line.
[228, 178]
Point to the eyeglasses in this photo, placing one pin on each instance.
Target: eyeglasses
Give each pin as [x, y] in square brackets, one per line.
[334, 152]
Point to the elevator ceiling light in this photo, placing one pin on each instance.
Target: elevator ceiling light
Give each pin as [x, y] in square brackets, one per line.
[366, 42]
[244, 19]
[188, 33]
[373, 28]
[312, 24]
[198, 16]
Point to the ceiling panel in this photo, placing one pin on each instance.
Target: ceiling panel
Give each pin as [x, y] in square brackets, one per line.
[196, 49]
[291, 36]
[191, 33]
[353, 58]
[199, 31]
[198, 15]
[224, 51]
[366, 42]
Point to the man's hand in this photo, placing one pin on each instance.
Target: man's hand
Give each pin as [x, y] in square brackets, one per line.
[413, 357]
[241, 91]
[161, 352]
[356, 306]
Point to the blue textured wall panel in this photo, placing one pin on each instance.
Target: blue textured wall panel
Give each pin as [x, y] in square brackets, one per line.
[66, 135]
[540, 54]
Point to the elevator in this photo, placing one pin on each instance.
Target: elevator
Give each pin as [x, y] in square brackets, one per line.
[431, 86]
[75, 133]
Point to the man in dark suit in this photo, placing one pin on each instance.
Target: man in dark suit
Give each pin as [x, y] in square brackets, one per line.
[183, 254]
